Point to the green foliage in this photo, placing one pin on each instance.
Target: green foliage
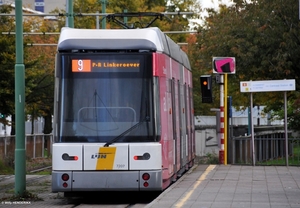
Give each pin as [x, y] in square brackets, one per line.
[175, 22]
[39, 67]
[209, 158]
[5, 169]
[276, 111]
[294, 115]
[7, 59]
[293, 159]
[212, 158]
[262, 36]
[39, 72]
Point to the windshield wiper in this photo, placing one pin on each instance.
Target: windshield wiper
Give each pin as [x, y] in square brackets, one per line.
[126, 132]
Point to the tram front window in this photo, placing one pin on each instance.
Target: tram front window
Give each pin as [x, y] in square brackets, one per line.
[100, 105]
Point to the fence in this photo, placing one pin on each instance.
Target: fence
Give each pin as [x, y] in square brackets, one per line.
[269, 150]
[37, 145]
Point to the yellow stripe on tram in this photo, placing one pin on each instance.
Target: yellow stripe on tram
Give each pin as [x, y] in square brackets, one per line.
[106, 158]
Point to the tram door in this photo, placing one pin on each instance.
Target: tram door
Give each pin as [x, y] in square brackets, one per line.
[174, 121]
[183, 136]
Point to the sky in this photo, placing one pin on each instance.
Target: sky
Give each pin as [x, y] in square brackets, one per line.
[213, 3]
[209, 4]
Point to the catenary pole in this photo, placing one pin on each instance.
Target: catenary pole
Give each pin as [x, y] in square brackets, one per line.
[252, 130]
[97, 21]
[20, 154]
[70, 19]
[103, 5]
[286, 131]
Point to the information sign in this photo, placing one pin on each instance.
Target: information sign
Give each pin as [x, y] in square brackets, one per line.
[268, 85]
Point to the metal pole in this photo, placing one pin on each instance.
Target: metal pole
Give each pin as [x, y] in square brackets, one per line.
[252, 129]
[125, 18]
[67, 9]
[221, 151]
[103, 11]
[249, 120]
[70, 19]
[20, 154]
[286, 131]
[97, 21]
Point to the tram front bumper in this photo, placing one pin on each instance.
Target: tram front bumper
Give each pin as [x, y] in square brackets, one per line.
[72, 181]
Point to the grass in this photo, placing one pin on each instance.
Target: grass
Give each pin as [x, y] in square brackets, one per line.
[27, 196]
[4, 169]
[209, 158]
[7, 165]
[31, 194]
[292, 160]
[37, 163]
[44, 172]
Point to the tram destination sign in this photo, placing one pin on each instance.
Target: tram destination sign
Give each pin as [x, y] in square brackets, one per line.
[268, 85]
[90, 65]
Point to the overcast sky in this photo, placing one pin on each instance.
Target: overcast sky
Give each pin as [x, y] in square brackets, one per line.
[209, 4]
[213, 3]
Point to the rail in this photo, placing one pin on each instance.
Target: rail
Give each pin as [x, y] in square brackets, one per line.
[269, 150]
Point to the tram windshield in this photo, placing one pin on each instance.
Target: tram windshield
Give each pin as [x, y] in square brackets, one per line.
[104, 98]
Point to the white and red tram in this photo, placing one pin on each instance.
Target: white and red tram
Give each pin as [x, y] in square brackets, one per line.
[123, 117]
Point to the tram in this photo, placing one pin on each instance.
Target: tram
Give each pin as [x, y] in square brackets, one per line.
[123, 112]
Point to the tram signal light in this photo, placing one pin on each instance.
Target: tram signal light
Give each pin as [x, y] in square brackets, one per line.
[206, 88]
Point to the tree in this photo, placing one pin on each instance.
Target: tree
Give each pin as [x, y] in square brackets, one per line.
[39, 67]
[262, 35]
[7, 60]
[36, 79]
[40, 77]
[7, 72]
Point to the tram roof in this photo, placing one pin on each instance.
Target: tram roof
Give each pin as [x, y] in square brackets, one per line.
[152, 39]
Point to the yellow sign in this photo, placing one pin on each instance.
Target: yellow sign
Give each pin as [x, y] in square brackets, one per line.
[106, 158]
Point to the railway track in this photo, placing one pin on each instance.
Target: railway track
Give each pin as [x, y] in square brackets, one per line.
[41, 169]
[120, 200]
[40, 185]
